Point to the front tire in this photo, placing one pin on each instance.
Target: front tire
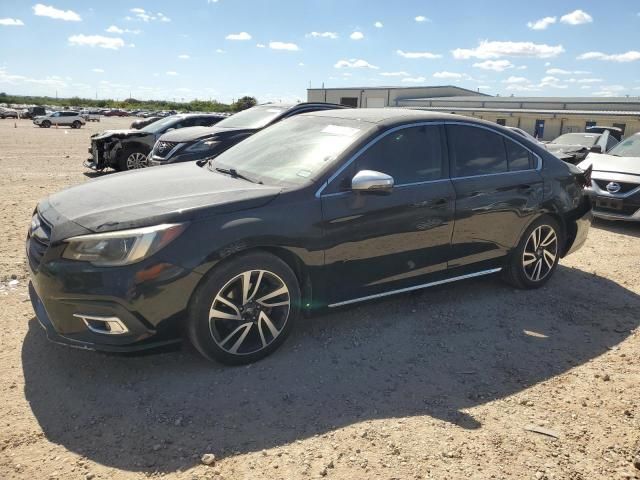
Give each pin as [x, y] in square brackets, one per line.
[132, 159]
[536, 257]
[46, 124]
[244, 310]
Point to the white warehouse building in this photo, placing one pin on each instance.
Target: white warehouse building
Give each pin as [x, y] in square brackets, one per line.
[544, 117]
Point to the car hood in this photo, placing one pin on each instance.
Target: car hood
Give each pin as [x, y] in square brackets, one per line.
[557, 148]
[610, 163]
[147, 197]
[130, 132]
[191, 134]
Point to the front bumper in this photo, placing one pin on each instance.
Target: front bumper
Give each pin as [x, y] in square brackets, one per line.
[615, 206]
[144, 304]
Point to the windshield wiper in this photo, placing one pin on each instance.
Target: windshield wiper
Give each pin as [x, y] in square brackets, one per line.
[234, 174]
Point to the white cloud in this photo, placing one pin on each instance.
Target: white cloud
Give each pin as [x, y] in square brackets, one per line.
[50, 81]
[354, 63]
[119, 31]
[421, 18]
[512, 80]
[301, 64]
[609, 91]
[238, 36]
[171, 73]
[331, 35]
[284, 46]
[629, 56]
[379, 24]
[577, 17]
[261, 45]
[394, 74]
[495, 65]
[111, 43]
[48, 11]
[184, 56]
[521, 67]
[97, 70]
[428, 55]
[146, 16]
[11, 22]
[452, 75]
[413, 80]
[552, 82]
[590, 80]
[561, 71]
[356, 36]
[488, 49]
[541, 24]
[219, 50]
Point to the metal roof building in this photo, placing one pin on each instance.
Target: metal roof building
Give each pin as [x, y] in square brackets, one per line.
[545, 117]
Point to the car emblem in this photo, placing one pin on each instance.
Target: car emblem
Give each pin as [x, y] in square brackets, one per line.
[613, 187]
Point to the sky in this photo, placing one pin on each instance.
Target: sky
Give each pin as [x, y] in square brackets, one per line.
[276, 49]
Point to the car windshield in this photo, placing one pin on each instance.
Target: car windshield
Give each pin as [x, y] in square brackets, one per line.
[583, 139]
[293, 151]
[158, 126]
[255, 117]
[627, 148]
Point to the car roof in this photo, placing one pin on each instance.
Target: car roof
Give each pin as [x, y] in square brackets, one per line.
[392, 116]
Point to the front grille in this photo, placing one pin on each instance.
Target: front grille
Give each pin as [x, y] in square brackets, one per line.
[624, 186]
[163, 148]
[625, 210]
[37, 241]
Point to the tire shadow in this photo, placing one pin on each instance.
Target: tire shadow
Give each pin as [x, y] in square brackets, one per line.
[431, 354]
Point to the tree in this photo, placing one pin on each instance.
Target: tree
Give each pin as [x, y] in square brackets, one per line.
[244, 102]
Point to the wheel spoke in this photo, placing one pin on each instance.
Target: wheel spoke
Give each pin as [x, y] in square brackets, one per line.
[276, 293]
[272, 328]
[528, 259]
[549, 258]
[536, 238]
[215, 313]
[549, 239]
[537, 270]
[243, 335]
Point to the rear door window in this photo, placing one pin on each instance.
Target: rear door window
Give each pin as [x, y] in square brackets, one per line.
[518, 157]
[476, 151]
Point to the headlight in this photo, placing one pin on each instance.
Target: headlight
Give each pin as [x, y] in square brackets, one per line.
[203, 146]
[123, 247]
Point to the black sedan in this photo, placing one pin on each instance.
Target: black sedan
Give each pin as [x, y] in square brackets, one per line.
[191, 144]
[321, 210]
[128, 149]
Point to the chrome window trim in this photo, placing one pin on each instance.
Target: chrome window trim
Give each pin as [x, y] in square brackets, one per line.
[336, 194]
[416, 287]
[419, 124]
[366, 147]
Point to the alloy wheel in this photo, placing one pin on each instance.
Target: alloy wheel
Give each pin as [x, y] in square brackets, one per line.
[540, 253]
[249, 312]
[136, 160]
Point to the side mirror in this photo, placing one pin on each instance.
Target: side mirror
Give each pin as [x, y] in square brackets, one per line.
[596, 149]
[372, 181]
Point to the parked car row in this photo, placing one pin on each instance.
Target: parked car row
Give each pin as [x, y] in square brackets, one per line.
[307, 210]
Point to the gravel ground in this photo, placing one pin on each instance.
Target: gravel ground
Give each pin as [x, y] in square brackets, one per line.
[442, 384]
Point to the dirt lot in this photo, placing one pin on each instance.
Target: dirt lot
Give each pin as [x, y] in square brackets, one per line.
[440, 384]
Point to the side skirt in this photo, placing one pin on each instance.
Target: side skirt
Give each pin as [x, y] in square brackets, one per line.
[416, 287]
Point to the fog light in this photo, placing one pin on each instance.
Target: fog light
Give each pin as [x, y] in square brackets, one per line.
[103, 325]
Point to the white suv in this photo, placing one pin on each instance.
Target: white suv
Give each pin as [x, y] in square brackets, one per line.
[69, 119]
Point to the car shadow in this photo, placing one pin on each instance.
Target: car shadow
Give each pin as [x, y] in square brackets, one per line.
[102, 173]
[434, 353]
[631, 229]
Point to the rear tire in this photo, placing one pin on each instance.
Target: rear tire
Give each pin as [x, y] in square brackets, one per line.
[46, 124]
[76, 124]
[536, 257]
[245, 309]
